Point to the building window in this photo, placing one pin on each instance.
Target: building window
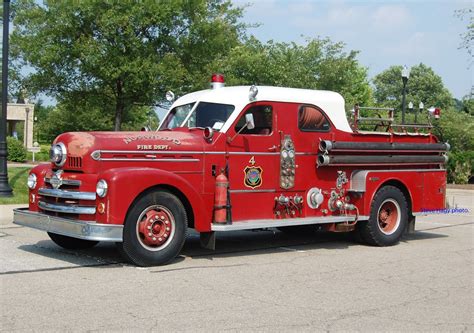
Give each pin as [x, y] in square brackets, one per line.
[310, 118]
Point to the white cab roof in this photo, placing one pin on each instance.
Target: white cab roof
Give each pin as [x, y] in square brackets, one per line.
[330, 102]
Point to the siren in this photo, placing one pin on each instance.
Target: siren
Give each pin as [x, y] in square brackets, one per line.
[217, 81]
[434, 112]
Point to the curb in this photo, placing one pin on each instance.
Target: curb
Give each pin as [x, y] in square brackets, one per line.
[6, 213]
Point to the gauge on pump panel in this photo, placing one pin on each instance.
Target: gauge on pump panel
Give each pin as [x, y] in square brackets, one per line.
[291, 153]
[284, 154]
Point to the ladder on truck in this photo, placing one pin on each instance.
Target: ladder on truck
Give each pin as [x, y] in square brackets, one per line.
[387, 123]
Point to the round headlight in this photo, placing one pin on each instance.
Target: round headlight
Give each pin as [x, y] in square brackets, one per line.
[58, 154]
[32, 180]
[101, 188]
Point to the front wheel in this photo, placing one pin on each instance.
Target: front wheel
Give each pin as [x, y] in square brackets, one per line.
[155, 229]
[388, 218]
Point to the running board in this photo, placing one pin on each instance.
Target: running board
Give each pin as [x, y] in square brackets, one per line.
[270, 223]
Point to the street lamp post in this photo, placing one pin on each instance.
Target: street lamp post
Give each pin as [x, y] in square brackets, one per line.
[410, 107]
[5, 189]
[405, 76]
[35, 128]
[420, 106]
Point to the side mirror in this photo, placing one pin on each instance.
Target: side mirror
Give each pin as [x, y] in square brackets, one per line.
[170, 96]
[249, 124]
[249, 121]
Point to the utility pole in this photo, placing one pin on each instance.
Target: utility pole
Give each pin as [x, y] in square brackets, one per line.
[5, 189]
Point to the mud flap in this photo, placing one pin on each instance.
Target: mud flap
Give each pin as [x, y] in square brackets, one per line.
[411, 224]
[208, 240]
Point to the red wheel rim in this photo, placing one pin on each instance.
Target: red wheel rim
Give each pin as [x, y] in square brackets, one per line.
[388, 216]
[155, 228]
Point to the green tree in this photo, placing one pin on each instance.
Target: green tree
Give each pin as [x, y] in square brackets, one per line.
[115, 54]
[69, 117]
[468, 103]
[424, 85]
[468, 36]
[318, 64]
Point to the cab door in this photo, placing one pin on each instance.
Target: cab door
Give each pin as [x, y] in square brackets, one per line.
[253, 163]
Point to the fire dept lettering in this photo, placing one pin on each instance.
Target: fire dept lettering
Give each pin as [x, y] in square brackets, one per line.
[253, 176]
[153, 147]
[129, 139]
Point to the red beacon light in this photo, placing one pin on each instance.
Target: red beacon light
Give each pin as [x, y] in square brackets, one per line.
[217, 81]
[435, 112]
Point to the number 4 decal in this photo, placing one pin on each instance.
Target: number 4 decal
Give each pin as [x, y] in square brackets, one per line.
[252, 160]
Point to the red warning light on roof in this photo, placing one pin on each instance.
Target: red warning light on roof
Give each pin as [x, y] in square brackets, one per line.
[435, 112]
[217, 81]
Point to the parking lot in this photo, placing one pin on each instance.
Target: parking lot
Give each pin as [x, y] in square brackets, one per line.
[254, 281]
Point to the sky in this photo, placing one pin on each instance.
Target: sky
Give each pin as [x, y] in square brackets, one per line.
[386, 33]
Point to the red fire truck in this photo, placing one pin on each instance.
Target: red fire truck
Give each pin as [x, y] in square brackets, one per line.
[237, 158]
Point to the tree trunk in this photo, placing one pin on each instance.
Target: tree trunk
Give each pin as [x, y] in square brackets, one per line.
[119, 106]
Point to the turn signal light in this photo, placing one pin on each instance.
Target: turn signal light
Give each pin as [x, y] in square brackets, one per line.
[101, 208]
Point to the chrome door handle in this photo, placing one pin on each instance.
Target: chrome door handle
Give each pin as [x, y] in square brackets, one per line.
[273, 148]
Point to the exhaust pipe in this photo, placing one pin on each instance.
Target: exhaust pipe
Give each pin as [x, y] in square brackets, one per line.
[324, 160]
[327, 145]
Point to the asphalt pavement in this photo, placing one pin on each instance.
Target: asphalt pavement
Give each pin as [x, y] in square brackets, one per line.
[254, 281]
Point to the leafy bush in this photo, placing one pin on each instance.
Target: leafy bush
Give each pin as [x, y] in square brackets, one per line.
[16, 151]
[460, 167]
[42, 156]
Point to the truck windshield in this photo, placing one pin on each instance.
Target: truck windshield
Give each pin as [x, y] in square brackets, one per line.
[205, 114]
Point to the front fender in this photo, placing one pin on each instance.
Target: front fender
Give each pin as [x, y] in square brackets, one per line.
[126, 184]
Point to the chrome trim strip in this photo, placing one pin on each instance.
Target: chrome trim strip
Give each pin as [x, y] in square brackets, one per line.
[270, 223]
[178, 152]
[123, 159]
[58, 208]
[67, 194]
[253, 153]
[71, 182]
[306, 153]
[156, 152]
[359, 177]
[252, 191]
[88, 230]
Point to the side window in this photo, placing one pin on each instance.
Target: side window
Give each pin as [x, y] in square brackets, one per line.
[263, 117]
[311, 118]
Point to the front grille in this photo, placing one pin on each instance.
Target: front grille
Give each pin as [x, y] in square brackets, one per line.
[67, 201]
[74, 162]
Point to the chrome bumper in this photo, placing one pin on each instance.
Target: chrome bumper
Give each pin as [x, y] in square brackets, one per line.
[72, 228]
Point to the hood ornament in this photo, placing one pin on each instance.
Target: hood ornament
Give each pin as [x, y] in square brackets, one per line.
[56, 180]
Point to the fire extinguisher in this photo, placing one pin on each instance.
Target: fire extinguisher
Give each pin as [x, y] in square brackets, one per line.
[220, 201]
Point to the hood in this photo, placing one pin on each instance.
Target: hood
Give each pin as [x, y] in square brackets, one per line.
[80, 143]
[83, 144]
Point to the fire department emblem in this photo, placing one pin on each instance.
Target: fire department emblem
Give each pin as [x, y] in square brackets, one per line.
[253, 176]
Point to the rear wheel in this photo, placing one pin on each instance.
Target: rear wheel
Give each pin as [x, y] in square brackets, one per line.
[388, 218]
[71, 243]
[155, 230]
